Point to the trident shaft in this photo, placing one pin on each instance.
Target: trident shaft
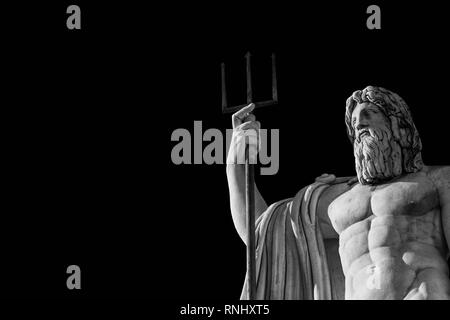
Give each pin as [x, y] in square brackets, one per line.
[250, 169]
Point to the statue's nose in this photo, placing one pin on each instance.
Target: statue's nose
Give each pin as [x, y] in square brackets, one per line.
[362, 121]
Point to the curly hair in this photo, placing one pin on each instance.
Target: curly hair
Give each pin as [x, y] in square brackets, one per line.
[401, 123]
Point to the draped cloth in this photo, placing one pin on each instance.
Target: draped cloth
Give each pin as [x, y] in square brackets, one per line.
[291, 255]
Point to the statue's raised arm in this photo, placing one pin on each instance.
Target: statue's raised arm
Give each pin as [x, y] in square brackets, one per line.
[244, 125]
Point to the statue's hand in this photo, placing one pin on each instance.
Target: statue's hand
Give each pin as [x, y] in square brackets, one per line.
[419, 293]
[244, 126]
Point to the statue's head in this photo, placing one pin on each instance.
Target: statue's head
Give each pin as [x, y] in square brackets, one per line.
[385, 140]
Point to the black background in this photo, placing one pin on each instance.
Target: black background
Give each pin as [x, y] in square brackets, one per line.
[88, 118]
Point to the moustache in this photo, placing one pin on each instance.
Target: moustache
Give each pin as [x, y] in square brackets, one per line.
[374, 134]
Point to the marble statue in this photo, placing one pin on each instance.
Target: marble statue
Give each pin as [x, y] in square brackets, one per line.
[383, 234]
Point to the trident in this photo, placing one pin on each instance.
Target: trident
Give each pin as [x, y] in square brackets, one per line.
[249, 169]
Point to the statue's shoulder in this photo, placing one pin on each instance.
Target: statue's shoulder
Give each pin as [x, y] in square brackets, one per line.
[436, 170]
[333, 180]
[440, 175]
[336, 187]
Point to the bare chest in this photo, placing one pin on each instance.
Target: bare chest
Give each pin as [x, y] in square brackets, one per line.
[411, 195]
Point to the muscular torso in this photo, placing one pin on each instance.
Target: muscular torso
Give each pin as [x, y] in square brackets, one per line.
[391, 241]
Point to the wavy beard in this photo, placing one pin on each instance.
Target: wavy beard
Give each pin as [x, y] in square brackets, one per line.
[378, 157]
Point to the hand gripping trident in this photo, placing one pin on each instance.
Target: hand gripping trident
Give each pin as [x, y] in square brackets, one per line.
[249, 170]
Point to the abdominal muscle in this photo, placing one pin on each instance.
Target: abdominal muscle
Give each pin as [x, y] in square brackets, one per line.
[394, 258]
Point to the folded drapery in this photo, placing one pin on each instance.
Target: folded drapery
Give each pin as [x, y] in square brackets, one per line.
[293, 262]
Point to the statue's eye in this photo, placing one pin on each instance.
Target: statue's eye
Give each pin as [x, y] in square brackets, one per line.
[374, 109]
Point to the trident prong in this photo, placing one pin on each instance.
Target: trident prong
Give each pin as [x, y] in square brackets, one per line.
[258, 104]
